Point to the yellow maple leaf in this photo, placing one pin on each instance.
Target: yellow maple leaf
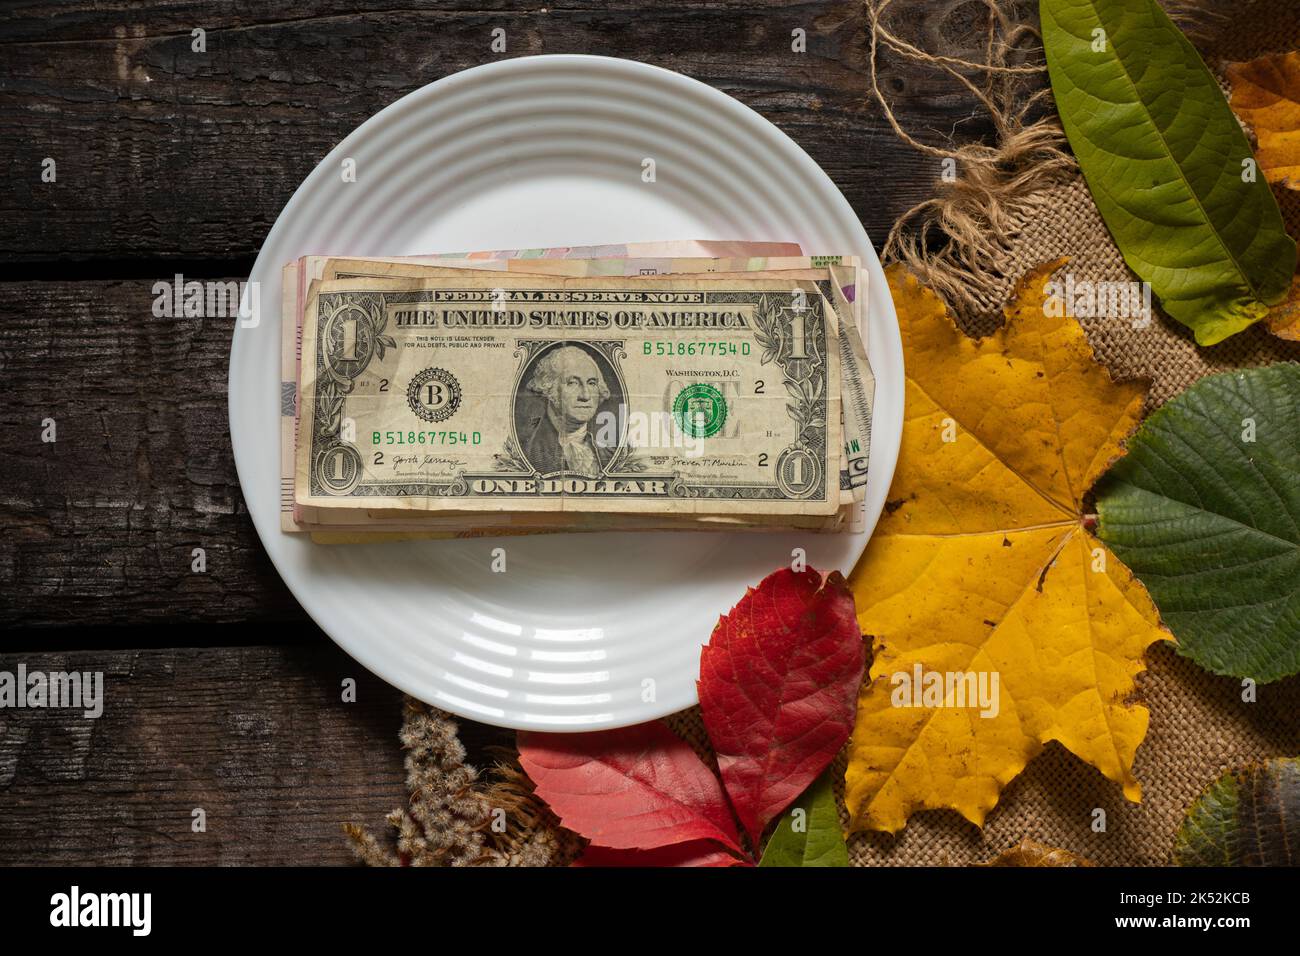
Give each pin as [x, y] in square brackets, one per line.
[1266, 94]
[983, 565]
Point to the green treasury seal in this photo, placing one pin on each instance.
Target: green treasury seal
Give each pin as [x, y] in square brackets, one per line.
[700, 410]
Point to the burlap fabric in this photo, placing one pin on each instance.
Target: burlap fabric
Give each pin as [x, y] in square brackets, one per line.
[1200, 725]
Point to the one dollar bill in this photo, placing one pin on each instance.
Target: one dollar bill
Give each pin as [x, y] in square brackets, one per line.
[677, 395]
[839, 282]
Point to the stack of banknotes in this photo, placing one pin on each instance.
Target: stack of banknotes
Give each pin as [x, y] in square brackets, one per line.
[649, 386]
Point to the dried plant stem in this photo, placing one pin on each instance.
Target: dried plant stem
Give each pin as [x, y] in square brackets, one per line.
[452, 818]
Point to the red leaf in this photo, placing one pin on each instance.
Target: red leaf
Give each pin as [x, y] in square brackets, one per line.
[695, 853]
[778, 689]
[633, 788]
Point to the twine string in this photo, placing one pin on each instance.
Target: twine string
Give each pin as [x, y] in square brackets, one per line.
[959, 241]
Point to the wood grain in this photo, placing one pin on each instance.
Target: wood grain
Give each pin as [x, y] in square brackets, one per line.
[257, 737]
[163, 151]
[101, 524]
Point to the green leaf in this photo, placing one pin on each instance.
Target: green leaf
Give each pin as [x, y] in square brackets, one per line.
[1246, 818]
[809, 833]
[1163, 156]
[1205, 510]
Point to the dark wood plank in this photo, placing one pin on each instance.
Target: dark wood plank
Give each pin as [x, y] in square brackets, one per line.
[165, 151]
[257, 737]
[100, 525]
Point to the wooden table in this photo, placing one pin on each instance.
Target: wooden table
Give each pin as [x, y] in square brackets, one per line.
[220, 693]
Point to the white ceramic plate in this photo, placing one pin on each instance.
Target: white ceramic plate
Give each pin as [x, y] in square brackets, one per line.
[585, 631]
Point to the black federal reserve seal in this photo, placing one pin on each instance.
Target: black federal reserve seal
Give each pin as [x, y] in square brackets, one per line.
[434, 394]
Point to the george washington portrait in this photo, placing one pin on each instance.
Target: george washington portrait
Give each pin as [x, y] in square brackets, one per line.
[564, 388]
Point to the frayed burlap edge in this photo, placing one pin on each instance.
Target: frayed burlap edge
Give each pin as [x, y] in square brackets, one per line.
[962, 243]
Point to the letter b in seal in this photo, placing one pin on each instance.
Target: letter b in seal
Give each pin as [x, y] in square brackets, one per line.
[434, 394]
